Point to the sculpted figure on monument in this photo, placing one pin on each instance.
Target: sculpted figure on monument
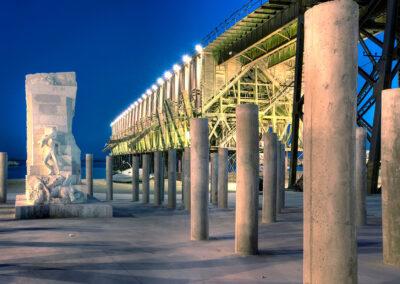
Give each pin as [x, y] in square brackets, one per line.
[51, 145]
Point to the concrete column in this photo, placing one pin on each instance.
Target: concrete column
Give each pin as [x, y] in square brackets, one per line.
[135, 178]
[109, 176]
[282, 178]
[279, 173]
[172, 178]
[222, 178]
[361, 177]
[199, 152]
[146, 178]
[330, 76]
[247, 159]
[89, 174]
[3, 176]
[162, 171]
[186, 178]
[214, 178]
[391, 176]
[157, 178]
[270, 177]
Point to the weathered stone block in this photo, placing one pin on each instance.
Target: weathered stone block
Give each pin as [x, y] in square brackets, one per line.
[25, 209]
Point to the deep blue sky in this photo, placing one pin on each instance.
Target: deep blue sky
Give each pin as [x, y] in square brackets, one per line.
[117, 48]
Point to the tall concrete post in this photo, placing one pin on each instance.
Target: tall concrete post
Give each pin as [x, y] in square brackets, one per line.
[172, 179]
[3, 176]
[109, 178]
[361, 177]
[162, 172]
[157, 178]
[391, 176]
[247, 180]
[330, 76]
[89, 174]
[214, 178]
[283, 177]
[145, 178]
[135, 178]
[199, 151]
[186, 178]
[279, 178]
[222, 178]
[270, 177]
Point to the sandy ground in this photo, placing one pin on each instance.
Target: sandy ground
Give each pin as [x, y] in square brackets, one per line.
[147, 244]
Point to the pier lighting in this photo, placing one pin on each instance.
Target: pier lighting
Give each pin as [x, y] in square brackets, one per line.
[167, 75]
[136, 103]
[176, 67]
[143, 96]
[154, 87]
[198, 48]
[140, 100]
[186, 58]
[160, 81]
[148, 92]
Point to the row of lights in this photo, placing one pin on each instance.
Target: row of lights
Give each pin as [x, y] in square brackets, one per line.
[160, 81]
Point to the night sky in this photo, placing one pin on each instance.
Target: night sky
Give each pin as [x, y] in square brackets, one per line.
[118, 48]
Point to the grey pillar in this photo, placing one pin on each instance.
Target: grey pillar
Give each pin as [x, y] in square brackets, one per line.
[109, 178]
[391, 176]
[222, 178]
[135, 178]
[89, 174]
[270, 177]
[3, 176]
[146, 178]
[361, 177]
[199, 152]
[214, 178]
[162, 171]
[279, 177]
[282, 178]
[330, 76]
[247, 159]
[186, 178]
[172, 179]
[157, 178]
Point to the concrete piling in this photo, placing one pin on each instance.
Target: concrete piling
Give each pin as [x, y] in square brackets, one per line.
[361, 177]
[199, 156]
[330, 76]
[172, 179]
[247, 145]
[390, 132]
[157, 178]
[186, 178]
[282, 178]
[3, 176]
[135, 178]
[222, 178]
[145, 178]
[162, 172]
[270, 178]
[279, 175]
[109, 178]
[89, 174]
[214, 178]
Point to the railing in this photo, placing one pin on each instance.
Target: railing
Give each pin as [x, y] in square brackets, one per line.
[235, 17]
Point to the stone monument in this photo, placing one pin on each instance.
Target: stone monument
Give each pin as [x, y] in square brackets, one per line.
[53, 180]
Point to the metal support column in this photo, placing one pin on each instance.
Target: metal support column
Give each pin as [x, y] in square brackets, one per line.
[297, 96]
[384, 82]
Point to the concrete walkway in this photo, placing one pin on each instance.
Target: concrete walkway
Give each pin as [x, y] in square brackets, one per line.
[144, 244]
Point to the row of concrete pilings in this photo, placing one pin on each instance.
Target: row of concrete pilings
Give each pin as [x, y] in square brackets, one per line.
[334, 159]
